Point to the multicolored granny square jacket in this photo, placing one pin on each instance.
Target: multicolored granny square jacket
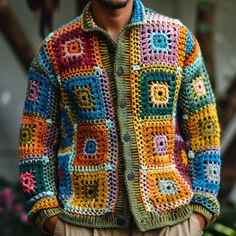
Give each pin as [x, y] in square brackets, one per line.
[112, 130]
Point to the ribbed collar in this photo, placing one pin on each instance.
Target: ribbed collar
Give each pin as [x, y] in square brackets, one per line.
[137, 17]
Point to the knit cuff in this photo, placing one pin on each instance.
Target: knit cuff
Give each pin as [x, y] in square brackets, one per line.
[43, 215]
[209, 216]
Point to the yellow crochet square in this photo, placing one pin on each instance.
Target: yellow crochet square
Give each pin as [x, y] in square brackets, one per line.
[167, 190]
[204, 128]
[90, 190]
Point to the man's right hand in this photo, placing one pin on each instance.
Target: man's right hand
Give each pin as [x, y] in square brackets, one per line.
[50, 224]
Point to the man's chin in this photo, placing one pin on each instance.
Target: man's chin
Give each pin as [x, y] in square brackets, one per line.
[113, 4]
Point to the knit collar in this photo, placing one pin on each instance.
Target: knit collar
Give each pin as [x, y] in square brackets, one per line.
[137, 17]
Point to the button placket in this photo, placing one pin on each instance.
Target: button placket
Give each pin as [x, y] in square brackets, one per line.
[120, 76]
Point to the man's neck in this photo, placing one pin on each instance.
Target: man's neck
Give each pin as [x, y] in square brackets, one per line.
[112, 20]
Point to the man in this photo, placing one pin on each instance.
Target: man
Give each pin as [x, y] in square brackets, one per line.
[120, 134]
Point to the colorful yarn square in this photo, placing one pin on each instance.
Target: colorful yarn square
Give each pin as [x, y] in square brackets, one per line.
[167, 190]
[157, 92]
[197, 87]
[85, 95]
[91, 192]
[77, 52]
[159, 44]
[92, 147]
[158, 143]
[32, 136]
[204, 128]
[40, 95]
[33, 181]
[206, 172]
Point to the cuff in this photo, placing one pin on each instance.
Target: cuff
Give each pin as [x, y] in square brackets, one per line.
[203, 211]
[207, 205]
[43, 215]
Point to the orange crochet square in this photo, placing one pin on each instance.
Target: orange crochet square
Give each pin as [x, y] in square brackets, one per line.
[32, 136]
[158, 143]
[92, 147]
[167, 190]
[90, 191]
[204, 128]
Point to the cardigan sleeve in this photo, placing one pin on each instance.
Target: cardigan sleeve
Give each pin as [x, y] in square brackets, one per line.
[201, 131]
[39, 140]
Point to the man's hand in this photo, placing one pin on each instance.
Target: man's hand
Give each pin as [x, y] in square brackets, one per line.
[50, 224]
[202, 220]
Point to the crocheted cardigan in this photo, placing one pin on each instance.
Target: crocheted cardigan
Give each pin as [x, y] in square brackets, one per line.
[114, 130]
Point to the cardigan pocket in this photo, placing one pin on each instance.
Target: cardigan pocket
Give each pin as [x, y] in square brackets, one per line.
[167, 190]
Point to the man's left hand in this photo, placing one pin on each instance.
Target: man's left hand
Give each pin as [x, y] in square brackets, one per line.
[202, 220]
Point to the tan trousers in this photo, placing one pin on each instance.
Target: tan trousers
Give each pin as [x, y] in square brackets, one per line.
[189, 227]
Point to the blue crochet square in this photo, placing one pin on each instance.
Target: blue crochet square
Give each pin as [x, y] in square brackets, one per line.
[206, 172]
[157, 91]
[41, 96]
[84, 93]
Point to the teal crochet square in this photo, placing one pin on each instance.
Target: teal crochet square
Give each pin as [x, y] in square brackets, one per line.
[157, 91]
[34, 178]
[84, 93]
[196, 88]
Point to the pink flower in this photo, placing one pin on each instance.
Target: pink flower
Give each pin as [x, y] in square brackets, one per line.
[27, 182]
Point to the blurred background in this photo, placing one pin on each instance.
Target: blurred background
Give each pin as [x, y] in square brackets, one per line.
[23, 23]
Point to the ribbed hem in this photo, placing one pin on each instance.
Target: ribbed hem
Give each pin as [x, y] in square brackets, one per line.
[158, 221]
[210, 217]
[144, 222]
[104, 221]
[43, 215]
